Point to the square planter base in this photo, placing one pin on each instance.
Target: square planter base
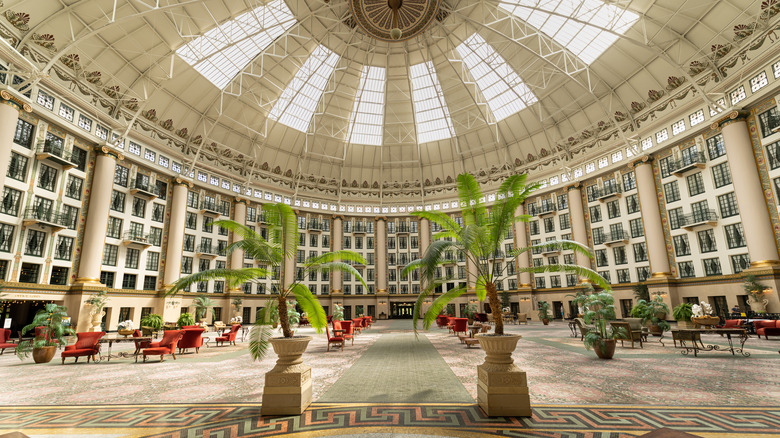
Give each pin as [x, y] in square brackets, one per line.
[287, 393]
[503, 393]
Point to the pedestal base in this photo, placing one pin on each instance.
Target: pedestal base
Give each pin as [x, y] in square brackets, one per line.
[503, 393]
[287, 393]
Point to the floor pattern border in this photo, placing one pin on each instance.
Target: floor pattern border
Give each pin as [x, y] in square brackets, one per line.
[440, 419]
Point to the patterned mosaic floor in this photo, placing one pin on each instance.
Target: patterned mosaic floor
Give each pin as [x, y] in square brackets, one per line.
[322, 419]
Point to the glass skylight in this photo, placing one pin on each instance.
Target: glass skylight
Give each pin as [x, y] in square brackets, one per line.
[586, 41]
[365, 127]
[295, 107]
[503, 89]
[431, 113]
[222, 52]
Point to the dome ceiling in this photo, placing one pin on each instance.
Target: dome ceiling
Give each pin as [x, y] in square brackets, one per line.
[317, 96]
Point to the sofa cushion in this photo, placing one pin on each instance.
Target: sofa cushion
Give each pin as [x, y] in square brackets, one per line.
[764, 324]
[78, 352]
[157, 350]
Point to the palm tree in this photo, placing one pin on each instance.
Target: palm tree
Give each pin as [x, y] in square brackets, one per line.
[202, 305]
[276, 252]
[480, 239]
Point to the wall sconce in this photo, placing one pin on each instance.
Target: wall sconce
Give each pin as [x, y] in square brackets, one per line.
[383, 302]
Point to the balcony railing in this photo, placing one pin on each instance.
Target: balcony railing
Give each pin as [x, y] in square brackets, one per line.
[137, 238]
[48, 217]
[547, 209]
[360, 228]
[404, 228]
[207, 250]
[616, 238]
[690, 161]
[316, 226]
[50, 151]
[608, 191]
[210, 208]
[144, 188]
[699, 218]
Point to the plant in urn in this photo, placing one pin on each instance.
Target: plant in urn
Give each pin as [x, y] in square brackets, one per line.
[97, 302]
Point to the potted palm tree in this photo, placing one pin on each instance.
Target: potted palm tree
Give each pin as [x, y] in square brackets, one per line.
[480, 239]
[288, 385]
[202, 305]
[756, 292]
[470, 311]
[600, 310]
[237, 303]
[543, 308]
[43, 347]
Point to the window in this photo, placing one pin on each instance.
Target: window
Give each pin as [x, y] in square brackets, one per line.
[66, 112]
[6, 239]
[221, 53]
[549, 225]
[150, 282]
[696, 117]
[191, 222]
[59, 275]
[737, 95]
[74, 187]
[11, 201]
[35, 243]
[678, 127]
[773, 155]
[118, 201]
[564, 221]
[601, 257]
[769, 120]
[186, 265]
[29, 273]
[598, 236]
[152, 261]
[129, 281]
[640, 252]
[158, 212]
[721, 174]
[776, 69]
[623, 276]
[114, 228]
[505, 92]
[563, 202]
[735, 236]
[189, 243]
[663, 164]
[632, 203]
[101, 132]
[131, 258]
[70, 216]
[728, 205]
[671, 192]
[45, 100]
[591, 191]
[686, 269]
[85, 123]
[643, 273]
[108, 279]
[208, 226]
[629, 181]
[432, 115]
[534, 227]
[192, 199]
[540, 283]
[121, 175]
[676, 218]
[620, 255]
[613, 209]
[740, 262]
[17, 167]
[661, 136]
[637, 230]
[606, 276]
[47, 177]
[711, 266]
[139, 207]
[23, 136]
[595, 213]
[367, 119]
[681, 246]
[758, 82]
[706, 241]
[586, 28]
[695, 184]
[295, 107]
[110, 253]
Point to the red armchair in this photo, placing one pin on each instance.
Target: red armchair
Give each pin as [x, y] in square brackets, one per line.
[86, 345]
[192, 338]
[167, 345]
[450, 323]
[366, 323]
[229, 337]
[460, 325]
[731, 323]
[370, 320]
[357, 325]
[139, 345]
[767, 328]
[334, 340]
[348, 334]
[5, 337]
[441, 321]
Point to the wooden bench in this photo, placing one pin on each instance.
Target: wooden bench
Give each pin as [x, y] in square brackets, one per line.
[471, 341]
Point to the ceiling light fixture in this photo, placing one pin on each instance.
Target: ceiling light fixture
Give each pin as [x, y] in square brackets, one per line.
[395, 5]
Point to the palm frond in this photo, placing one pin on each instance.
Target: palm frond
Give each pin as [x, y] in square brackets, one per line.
[261, 331]
[343, 267]
[343, 255]
[235, 276]
[581, 271]
[470, 194]
[431, 258]
[439, 304]
[282, 227]
[554, 245]
[480, 287]
[442, 219]
[311, 306]
[258, 249]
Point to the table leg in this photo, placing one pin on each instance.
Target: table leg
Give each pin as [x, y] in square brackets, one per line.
[108, 359]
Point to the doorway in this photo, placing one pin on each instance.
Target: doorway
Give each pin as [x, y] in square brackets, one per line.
[401, 310]
[558, 310]
[625, 307]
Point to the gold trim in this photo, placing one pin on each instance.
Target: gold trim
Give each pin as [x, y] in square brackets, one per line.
[181, 182]
[647, 159]
[732, 117]
[764, 263]
[661, 275]
[525, 285]
[107, 152]
[14, 101]
[577, 185]
[238, 200]
[381, 218]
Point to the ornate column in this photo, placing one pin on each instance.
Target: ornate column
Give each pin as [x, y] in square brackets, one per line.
[337, 243]
[178, 207]
[578, 223]
[759, 232]
[425, 235]
[651, 218]
[524, 287]
[237, 257]
[10, 105]
[97, 217]
[381, 255]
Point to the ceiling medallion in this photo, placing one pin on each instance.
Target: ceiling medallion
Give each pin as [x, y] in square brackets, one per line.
[394, 20]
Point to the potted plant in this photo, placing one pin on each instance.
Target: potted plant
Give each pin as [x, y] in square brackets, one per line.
[600, 311]
[97, 303]
[581, 296]
[202, 305]
[43, 347]
[151, 323]
[288, 384]
[641, 292]
[237, 303]
[338, 313]
[756, 292]
[479, 238]
[682, 313]
[702, 315]
[125, 328]
[185, 319]
[543, 309]
[653, 314]
[470, 311]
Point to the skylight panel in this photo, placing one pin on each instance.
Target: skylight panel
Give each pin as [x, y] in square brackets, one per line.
[222, 52]
[295, 107]
[503, 89]
[588, 42]
[431, 113]
[365, 127]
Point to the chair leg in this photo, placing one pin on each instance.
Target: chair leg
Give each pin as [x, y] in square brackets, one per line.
[161, 357]
[63, 361]
[197, 350]
[77, 359]
[174, 355]
[88, 356]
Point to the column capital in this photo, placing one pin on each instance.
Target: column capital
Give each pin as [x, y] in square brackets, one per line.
[732, 117]
[577, 185]
[238, 200]
[647, 159]
[11, 97]
[381, 218]
[108, 152]
[338, 216]
[178, 181]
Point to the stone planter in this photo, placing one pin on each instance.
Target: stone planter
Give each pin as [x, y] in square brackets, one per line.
[699, 321]
[288, 385]
[757, 306]
[97, 319]
[44, 354]
[502, 388]
[606, 350]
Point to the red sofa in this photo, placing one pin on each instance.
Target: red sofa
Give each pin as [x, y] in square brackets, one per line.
[192, 338]
[5, 337]
[167, 345]
[86, 345]
[229, 337]
[731, 323]
[767, 328]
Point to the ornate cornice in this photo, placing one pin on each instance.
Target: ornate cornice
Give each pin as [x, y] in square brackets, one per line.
[11, 99]
[647, 159]
[108, 152]
[732, 117]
